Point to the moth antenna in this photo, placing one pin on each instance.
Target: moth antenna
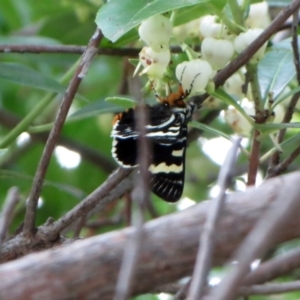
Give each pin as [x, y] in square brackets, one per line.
[154, 90]
[187, 92]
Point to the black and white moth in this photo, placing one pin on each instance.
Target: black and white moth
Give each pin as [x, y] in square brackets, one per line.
[167, 131]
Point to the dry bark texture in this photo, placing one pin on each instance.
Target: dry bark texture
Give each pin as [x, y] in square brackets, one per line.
[88, 269]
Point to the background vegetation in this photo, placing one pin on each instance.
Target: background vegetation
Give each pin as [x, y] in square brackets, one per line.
[34, 76]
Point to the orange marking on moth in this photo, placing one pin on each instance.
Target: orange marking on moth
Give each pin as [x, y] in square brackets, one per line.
[117, 117]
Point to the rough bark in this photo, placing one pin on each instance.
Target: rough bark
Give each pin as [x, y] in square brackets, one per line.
[87, 269]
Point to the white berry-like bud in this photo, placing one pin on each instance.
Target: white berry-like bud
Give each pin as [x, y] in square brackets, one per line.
[154, 63]
[156, 32]
[233, 85]
[210, 28]
[279, 113]
[188, 30]
[194, 75]
[217, 52]
[258, 15]
[244, 39]
[237, 121]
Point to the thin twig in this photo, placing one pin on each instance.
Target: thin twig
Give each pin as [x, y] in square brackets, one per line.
[91, 51]
[114, 187]
[96, 224]
[270, 288]
[254, 158]
[274, 268]
[281, 167]
[7, 211]
[183, 291]
[206, 247]
[67, 49]
[260, 239]
[140, 196]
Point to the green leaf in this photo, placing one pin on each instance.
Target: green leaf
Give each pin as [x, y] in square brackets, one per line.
[2, 151]
[121, 102]
[291, 140]
[271, 127]
[209, 129]
[116, 18]
[278, 3]
[283, 97]
[27, 40]
[94, 109]
[23, 75]
[276, 69]
[75, 192]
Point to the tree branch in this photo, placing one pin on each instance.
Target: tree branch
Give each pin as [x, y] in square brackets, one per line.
[91, 50]
[89, 268]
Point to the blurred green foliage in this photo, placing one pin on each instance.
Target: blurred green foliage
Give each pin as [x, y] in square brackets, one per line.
[69, 22]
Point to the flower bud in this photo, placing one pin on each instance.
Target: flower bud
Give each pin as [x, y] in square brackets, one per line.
[154, 63]
[210, 28]
[233, 85]
[258, 15]
[237, 121]
[217, 52]
[156, 32]
[194, 75]
[188, 30]
[279, 113]
[244, 39]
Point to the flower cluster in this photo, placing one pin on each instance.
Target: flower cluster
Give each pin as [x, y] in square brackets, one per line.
[156, 32]
[218, 47]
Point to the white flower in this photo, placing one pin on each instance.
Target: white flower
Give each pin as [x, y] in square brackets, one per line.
[258, 15]
[194, 75]
[243, 40]
[217, 52]
[210, 28]
[279, 113]
[188, 30]
[233, 85]
[156, 32]
[237, 121]
[154, 63]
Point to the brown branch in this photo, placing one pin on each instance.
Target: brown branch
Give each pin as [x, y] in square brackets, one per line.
[270, 288]
[274, 268]
[259, 241]
[206, 245]
[254, 158]
[281, 167]
[29, 222]
[168, 250]
[67, 49]
[10, 203]
[75, 49]
[114, 187]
